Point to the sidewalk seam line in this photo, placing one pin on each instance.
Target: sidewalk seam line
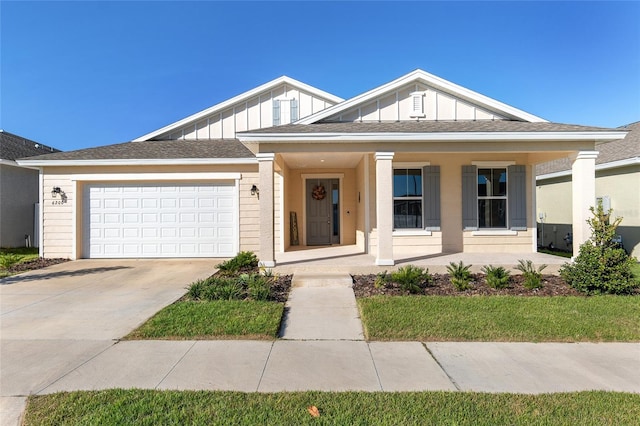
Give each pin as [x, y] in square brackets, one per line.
[451, 379]
[115, 342]
[375, 367]
[264, 368]
[175, 365]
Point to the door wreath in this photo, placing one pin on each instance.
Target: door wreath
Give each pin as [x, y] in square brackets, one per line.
[318, 192]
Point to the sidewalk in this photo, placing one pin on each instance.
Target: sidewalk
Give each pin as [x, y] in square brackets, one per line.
[331, 356]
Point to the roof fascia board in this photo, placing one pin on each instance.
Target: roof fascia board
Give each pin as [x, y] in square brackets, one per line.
[599, 167]
[12, 163]
[145, 162]
[431, 80]
[239, 98]
[444, 136]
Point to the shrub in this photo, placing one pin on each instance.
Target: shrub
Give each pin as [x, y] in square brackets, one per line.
[411, 278]
[497, 277]
[532, 276]
[196, 289]
[258, 287]
[382, 278]
[460, 275]
[243, 261]
[7, 260]
[601, 266]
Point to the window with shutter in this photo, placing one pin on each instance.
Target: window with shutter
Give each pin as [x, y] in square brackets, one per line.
[276, 112]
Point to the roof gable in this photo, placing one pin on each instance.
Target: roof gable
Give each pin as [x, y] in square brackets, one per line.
[222, 116]
[386, 103]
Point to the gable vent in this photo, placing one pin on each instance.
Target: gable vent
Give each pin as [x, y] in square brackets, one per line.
[417, 105]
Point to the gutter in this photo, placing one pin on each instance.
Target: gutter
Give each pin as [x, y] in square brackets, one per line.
[138, 162]
[599, 167]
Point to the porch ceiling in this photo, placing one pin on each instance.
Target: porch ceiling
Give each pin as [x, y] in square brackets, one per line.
[320, 160]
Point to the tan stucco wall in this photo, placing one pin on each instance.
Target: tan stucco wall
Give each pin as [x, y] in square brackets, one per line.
[18, 194]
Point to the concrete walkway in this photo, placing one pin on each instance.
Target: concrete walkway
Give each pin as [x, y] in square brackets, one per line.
[330, 356]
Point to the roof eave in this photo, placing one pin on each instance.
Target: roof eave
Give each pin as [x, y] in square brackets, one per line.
[599, 167]
[138, 162]
[432, 136]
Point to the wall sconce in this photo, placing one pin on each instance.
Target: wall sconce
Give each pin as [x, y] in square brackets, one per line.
[255, 191]
[56, 190]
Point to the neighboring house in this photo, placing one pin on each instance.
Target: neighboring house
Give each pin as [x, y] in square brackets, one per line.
[617, 185]
[18, 190]
[415, 166]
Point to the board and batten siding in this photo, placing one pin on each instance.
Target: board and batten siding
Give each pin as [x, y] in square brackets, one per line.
[398, 106]
[251, 114]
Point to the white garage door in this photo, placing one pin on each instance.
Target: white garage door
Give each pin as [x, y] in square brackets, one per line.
[160, 220]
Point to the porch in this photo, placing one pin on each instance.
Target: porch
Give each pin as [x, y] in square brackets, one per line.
[351, 259]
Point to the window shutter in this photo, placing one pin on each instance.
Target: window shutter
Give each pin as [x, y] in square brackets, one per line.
[469, 198]
[517, 195]
[294, 110]
[431, 197]
[276, 112]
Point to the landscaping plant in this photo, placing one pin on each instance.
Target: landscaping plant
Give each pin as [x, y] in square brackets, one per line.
[411, 278]
[242, 262]
[460, 275]
[601, 266]
[497, 276]
[7, 260]
[532, 275]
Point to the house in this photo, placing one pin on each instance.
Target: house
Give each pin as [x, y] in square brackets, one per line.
[418, 165]
[617, 185]
[18, 190]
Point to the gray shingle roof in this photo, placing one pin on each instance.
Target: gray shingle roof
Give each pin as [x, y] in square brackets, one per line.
[172, 149]
[13, 147]
[426, 127]
[623, 149]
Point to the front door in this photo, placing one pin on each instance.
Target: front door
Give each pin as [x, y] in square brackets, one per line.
[323, 211]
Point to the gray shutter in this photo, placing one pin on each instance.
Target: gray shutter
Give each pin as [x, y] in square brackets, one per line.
[276, 112]
[294, 110]
[431, 197]
[517, 195]
[469, 198]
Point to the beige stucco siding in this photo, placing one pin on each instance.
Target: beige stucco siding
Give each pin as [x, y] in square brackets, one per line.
[18, 195]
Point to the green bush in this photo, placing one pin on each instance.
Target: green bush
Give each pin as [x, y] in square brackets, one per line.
[411, 278]
[460, 275]
[601, 266]
[532, 275]
[253, 286]
[243, 261]
[382, 279]
[258, 286]
[7, 260]
[497, 276]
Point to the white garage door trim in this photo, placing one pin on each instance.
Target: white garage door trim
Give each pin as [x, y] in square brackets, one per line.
[160, 219]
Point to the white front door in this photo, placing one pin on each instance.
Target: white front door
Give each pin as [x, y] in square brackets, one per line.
[131, 220]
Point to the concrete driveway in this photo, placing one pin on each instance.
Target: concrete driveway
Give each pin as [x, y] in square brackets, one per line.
[54, 319]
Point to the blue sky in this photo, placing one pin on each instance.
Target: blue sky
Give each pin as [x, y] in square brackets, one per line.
[81, 74]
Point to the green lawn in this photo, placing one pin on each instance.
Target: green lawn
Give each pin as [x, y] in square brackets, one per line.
[22, 254]
[220, 319]
[502, 318]
[150, 407]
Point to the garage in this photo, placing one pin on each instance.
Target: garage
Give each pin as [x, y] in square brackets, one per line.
[138, 220]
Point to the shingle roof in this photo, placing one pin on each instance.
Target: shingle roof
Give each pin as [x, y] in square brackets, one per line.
[172, 149]
[13, 147]
[425, 127]
[622, 149]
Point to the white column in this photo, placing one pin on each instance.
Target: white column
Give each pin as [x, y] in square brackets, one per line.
[265, 186]
[584, 195]
[384, 208]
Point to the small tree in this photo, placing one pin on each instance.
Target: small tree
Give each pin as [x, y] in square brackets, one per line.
[601, 266]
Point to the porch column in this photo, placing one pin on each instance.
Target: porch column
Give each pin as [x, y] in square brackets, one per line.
[265, 168]
[384, 208]
[583, 185]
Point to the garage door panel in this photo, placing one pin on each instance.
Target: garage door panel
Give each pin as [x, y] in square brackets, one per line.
[156, 220]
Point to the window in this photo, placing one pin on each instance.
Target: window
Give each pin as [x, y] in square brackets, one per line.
[407, 198]
[492, 198]
[285, 111]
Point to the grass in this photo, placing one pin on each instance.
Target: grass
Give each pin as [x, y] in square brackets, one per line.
[24, 254]
[502, 318]
[555, 252]
[236, 319]
[151, 407]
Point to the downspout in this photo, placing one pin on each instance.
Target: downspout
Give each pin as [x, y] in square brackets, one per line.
[367, 217]
[41, 212]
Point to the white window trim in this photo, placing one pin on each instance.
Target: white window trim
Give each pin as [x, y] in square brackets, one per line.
[411, 231]
[414, 112]
[408, 232]
[493, 164]
[494, 233]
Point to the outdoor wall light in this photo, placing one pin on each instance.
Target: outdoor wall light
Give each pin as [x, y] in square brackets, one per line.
[255, 190]
[56, 190]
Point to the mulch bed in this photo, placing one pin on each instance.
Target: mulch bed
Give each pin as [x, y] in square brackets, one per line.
[552, 285]
[35, 264]
[279, 289]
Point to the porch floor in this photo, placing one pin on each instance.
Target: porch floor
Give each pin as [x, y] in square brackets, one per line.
[350, 259]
